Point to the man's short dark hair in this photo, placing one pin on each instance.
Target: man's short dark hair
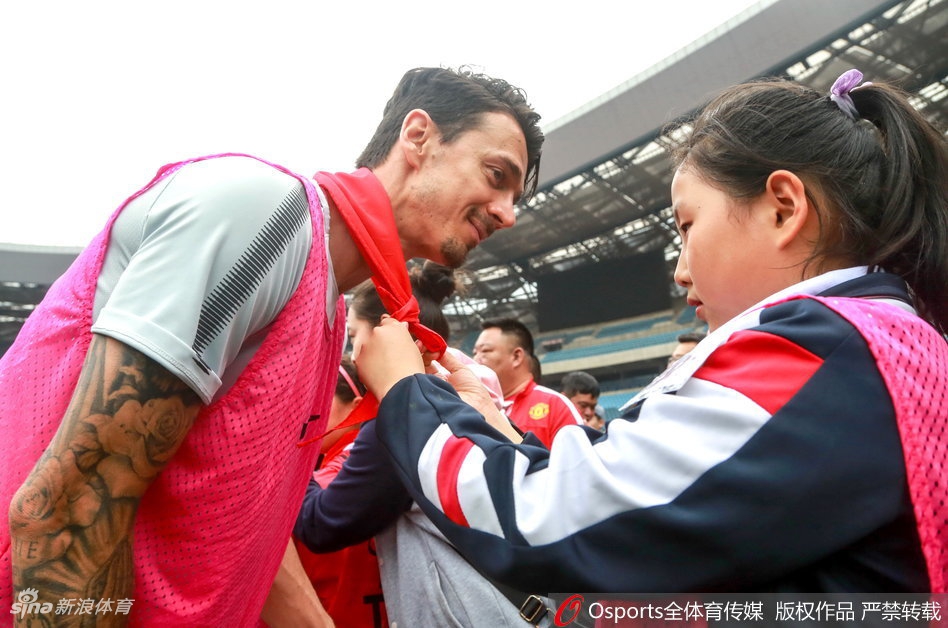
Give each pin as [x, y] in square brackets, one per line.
[535, 368]
[455, 100]
[691, 336]
[580, 383]
[513, 328]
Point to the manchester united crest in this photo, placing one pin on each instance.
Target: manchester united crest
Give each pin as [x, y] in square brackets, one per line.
[539, 410]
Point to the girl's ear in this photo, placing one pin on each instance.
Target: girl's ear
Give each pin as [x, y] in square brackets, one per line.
[790, 208]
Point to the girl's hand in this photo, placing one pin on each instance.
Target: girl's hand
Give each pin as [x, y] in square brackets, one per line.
[476, 395]
[387, 355]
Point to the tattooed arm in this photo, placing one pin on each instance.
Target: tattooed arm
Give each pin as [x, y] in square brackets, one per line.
[71, 521]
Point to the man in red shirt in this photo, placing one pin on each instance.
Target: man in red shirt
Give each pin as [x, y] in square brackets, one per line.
[506, 346]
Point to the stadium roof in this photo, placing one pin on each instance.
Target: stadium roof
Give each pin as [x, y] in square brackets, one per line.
[606, 170]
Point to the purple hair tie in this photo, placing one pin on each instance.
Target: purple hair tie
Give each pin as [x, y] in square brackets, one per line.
[839, 93]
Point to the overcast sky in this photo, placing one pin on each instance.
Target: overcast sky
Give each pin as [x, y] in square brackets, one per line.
[96, 95]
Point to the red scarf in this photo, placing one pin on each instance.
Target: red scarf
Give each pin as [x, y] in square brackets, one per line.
[330, 454]
[364, 206]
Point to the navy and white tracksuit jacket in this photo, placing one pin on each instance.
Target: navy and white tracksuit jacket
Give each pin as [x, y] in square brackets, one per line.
[768, 459]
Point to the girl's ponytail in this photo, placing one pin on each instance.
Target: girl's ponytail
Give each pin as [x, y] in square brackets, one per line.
[912, 231]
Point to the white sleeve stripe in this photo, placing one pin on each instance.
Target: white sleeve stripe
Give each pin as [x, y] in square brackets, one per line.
[429, 458]
[474, 494]
[639, 465]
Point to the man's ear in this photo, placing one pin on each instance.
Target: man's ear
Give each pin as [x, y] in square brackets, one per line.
[418, 129]
[518, 355]
[789, 206]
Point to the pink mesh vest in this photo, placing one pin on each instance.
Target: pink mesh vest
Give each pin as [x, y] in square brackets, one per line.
[913, 360]
[213, 527]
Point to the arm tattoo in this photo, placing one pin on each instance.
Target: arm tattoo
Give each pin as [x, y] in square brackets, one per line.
[71, 521]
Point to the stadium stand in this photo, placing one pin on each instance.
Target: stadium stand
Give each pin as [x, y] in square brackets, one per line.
[632, 326]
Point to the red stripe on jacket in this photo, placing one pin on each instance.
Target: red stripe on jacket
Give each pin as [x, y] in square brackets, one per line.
[449, 467]
[765, 368]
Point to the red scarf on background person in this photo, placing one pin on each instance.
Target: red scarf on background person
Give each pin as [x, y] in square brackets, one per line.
[366, 210]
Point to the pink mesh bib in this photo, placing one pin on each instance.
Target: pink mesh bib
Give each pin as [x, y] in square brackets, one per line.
[212, 529]
[913, 360]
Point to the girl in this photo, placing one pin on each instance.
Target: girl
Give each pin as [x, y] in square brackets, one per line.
[347, 580]
[343, 588]
[366, 499]
[799, 447]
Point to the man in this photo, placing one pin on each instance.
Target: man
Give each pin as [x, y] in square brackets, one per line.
[686, 342]
[506, 346]
[598, 421]
[582, 390]
[191, 351]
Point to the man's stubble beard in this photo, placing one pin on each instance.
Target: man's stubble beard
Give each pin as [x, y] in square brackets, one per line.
[454, 253]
